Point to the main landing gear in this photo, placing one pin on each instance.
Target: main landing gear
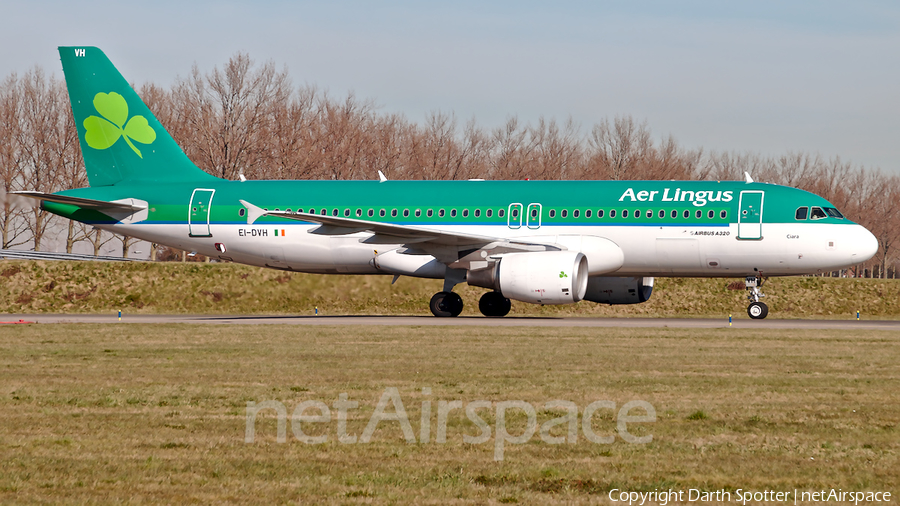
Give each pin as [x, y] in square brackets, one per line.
[448, 303]
[445, 304]
[494, 304]
[756, 310]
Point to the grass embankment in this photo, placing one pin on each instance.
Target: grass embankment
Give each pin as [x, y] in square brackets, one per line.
[230, 288]
[156, 413]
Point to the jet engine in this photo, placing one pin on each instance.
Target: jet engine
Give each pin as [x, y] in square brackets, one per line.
[544, 277]
[618, 290]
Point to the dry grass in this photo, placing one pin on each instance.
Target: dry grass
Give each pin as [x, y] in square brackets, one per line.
[156, 413]
[93, 287]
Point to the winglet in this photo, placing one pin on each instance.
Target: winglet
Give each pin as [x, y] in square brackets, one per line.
[747, 178]
[381, 177]
[253, 213]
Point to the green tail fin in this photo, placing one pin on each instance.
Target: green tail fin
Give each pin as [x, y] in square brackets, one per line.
[120, 138]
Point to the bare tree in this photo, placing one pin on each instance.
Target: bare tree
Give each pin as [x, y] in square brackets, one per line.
[230, 114]
[98, 238]
[510, 151]
[618, 149]
[13, 226]
[557, 152]
[46, 141]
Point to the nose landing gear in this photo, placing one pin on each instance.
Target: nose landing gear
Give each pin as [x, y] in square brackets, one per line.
[756, 310]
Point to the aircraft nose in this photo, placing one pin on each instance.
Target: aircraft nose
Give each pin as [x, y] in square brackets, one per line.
[865, 245]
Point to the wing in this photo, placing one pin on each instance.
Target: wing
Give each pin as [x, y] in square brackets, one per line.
[449, 247]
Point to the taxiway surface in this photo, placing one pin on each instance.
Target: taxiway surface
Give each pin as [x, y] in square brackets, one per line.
[528, 321]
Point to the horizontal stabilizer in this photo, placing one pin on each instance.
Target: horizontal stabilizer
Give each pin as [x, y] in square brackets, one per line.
[99, 205]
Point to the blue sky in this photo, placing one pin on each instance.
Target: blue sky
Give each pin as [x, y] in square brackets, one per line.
[766, 76]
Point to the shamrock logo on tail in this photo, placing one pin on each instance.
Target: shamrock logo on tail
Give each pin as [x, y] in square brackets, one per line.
[103, 132]
[562, 274]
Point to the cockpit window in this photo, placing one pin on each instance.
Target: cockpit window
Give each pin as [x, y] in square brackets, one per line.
[801, 213]
[817, 214]
[834, 213]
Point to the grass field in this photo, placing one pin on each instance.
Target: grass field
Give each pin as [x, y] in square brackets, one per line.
[157, 413]
[145, 287]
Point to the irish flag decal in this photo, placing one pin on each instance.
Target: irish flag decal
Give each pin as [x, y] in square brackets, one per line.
[277, 232]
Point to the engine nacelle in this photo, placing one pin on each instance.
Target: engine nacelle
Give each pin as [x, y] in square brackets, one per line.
[619, 290]
[543, 277]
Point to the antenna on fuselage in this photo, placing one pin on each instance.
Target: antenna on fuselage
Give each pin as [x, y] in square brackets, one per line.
[747, 178]
[381, 177]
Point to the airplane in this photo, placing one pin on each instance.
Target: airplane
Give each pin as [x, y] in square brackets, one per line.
[540, 242]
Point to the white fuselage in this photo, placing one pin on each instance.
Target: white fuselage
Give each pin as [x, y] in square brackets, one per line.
[707, 251]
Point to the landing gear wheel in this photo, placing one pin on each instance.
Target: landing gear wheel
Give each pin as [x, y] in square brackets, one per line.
[446, 304]
[758, 310]
[494, 304]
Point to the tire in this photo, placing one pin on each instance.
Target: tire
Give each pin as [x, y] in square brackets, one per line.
[758, 310]
[494, 304]
[446, 304]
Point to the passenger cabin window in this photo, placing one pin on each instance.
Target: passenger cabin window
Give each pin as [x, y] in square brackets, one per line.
[346, 213]
[324, 211]
[488, 213]
[441, 213]
[552, 213]
[359, 212]
[564, 213]
[723, 214]
[453, 213]
[241, 212]
[465, 213]
[686, 214]
[599, 213]
[393, 213]
[371, 213]
[625, 213]
[710, 214]
[418, 213]
[649, 213]
[515, 213]
[406, 213]
[430, 213]
[834, 213]
[477, 213]
[674, 213]
[587, 214]
[381, 213]
[574, 213]
[801, 213]
[612, 213]
[501, 213]
[662, 214]
[334, 212]
[699, 214]
[817, 214]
